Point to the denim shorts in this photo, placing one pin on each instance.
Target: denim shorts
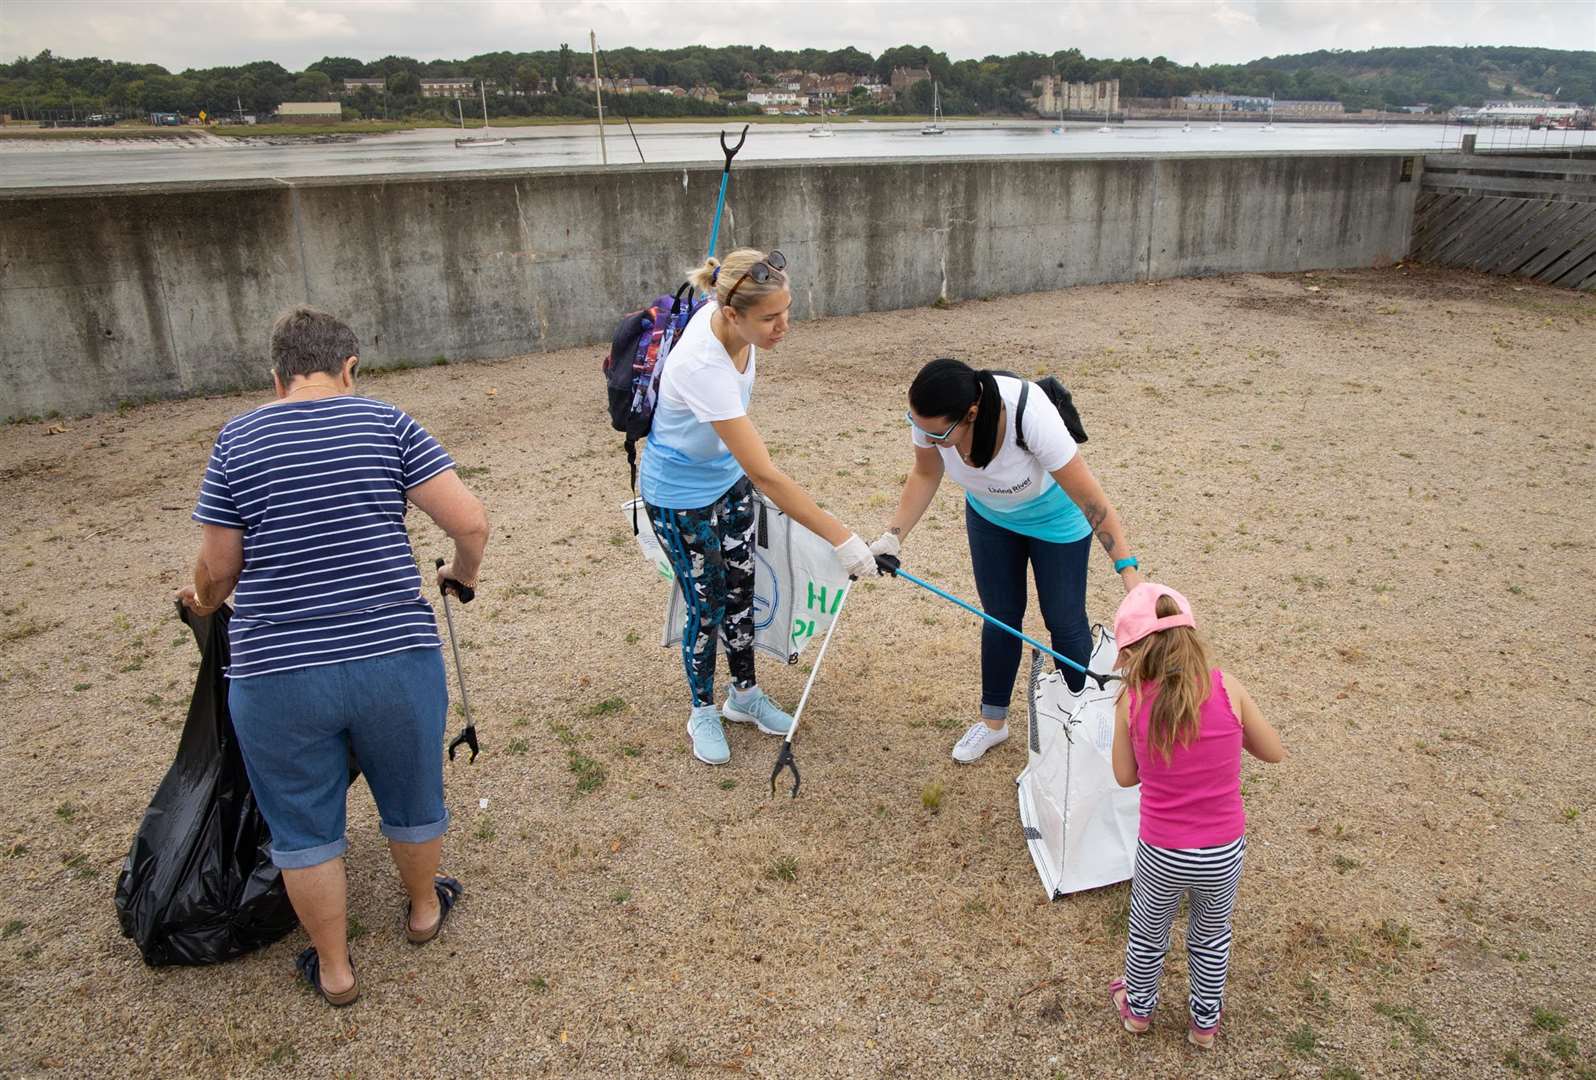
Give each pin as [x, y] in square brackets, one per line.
[297, 728]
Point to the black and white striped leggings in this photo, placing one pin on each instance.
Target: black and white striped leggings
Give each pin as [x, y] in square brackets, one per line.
[1163, 875]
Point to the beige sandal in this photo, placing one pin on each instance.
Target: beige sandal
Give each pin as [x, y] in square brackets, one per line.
[308, 964]
[449, 892]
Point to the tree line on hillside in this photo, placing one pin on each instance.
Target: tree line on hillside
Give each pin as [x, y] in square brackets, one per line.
[544, 82]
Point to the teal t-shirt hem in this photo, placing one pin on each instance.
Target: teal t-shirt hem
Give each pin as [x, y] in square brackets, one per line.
[1051, 516]
[672, 481]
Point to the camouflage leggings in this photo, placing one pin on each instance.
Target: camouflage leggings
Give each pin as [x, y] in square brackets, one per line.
[712, 553]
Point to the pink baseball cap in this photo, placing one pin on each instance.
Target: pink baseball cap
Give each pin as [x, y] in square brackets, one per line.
[1138, 613]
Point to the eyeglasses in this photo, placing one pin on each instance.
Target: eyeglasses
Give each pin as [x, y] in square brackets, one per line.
[761, 272]
[933, 436]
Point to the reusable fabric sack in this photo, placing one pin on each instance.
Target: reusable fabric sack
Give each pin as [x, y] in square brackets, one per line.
[198, 885]
[798, 583]
[1080, 825]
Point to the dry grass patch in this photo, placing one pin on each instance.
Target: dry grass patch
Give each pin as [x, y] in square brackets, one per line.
[1359, 505]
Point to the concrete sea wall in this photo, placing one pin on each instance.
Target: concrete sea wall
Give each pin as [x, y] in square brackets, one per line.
[115, 294]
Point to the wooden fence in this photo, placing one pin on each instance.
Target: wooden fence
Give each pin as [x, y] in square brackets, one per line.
[1532, 217]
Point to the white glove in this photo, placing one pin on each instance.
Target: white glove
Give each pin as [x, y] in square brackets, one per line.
[855, 557]
[885, 544]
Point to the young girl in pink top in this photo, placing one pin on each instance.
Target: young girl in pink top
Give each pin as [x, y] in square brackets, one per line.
[1180, 727]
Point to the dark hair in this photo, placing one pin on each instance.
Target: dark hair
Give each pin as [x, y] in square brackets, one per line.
[947, 388]
[306, 341]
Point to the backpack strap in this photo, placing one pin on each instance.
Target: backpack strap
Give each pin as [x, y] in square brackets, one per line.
[631, 463]
[684, 295]
[1019, 415]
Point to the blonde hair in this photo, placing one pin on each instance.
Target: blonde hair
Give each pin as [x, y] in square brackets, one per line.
[1175, 662]
[732, 267]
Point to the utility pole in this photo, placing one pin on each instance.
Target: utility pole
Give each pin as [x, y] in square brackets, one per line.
[598, 93]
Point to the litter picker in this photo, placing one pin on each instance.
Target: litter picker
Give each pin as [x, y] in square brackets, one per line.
[889, 565]
[725, 179]
[784, 759]
[466, 593]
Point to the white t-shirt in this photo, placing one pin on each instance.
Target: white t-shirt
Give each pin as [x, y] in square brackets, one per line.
[685, 464]
[1017, 489]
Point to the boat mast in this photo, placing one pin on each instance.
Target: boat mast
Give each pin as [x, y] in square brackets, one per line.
[598, 93]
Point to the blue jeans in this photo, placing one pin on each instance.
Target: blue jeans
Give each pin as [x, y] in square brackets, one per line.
[297, 728]
[998, 556]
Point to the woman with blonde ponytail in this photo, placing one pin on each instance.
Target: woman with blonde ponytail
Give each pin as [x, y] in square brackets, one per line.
[702, 461]
[1180, 726]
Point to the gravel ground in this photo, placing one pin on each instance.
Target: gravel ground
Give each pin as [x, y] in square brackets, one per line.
[1375, 486]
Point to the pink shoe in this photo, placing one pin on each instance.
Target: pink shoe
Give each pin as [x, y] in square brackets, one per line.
[1203, 1038]
[1136, 1025]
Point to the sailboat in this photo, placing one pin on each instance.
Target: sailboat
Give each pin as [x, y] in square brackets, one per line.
[1269, 124]
[1060, 129]
[935, 126]
[824, 130]
[483, 139]
[1105, 129]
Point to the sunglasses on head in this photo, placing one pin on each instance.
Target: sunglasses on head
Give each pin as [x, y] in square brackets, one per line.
[761, 272]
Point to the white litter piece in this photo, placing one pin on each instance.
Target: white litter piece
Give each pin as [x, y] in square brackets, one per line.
[798, 582]
[1080, 825]
[482, 804]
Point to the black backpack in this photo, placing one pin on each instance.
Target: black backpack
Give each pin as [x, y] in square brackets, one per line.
[636, 360]
[1058, 394]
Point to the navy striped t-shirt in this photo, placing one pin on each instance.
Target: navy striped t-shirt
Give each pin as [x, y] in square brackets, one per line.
[319, 489]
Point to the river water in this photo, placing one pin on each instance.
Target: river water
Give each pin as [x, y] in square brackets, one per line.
[58, 164]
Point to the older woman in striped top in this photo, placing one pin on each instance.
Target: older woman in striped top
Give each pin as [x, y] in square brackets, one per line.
[334, 648]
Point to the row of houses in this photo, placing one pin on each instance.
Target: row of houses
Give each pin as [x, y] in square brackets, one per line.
[643, 86]
[800, 91]
[792, 87]
[1054, 95]
[433, 88]
[1525, 110]
[1223, 103]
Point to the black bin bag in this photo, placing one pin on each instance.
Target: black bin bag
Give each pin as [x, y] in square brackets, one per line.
[198, 885]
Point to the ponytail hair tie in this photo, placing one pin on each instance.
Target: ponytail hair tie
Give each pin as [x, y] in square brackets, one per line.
[714, 275]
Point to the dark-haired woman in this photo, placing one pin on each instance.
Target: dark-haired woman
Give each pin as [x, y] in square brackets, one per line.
[1036, 503]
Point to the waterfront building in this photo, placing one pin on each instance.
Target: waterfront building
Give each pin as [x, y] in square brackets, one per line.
[310, 112]
[437, 88]
[1285, 107]
[903, 78]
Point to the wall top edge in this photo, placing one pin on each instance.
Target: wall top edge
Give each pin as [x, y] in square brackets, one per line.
[182, 187]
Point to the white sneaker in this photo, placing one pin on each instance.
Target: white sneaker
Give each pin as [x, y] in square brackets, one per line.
[977, 741]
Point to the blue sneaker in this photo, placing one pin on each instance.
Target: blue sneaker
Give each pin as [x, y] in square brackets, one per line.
[757, 709]
[709, 737]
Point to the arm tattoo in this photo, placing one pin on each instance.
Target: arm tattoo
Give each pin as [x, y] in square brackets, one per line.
[1097, 516]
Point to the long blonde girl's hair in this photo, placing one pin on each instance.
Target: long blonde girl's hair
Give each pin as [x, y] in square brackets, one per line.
[733, 266]
[1175, 662]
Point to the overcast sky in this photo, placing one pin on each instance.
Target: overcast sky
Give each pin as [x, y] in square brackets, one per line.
[204, 33]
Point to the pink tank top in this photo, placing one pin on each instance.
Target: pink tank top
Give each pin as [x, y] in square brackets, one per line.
[1194, 800]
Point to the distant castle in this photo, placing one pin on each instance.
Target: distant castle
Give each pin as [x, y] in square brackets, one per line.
[1056, 94]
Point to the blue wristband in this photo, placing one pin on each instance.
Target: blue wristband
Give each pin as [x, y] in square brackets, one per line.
[1121, 565]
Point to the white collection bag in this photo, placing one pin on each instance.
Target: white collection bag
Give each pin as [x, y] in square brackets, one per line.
[1080, 825]
[798, 582]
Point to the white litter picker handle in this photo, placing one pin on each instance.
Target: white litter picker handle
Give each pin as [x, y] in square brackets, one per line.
[785, 758]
